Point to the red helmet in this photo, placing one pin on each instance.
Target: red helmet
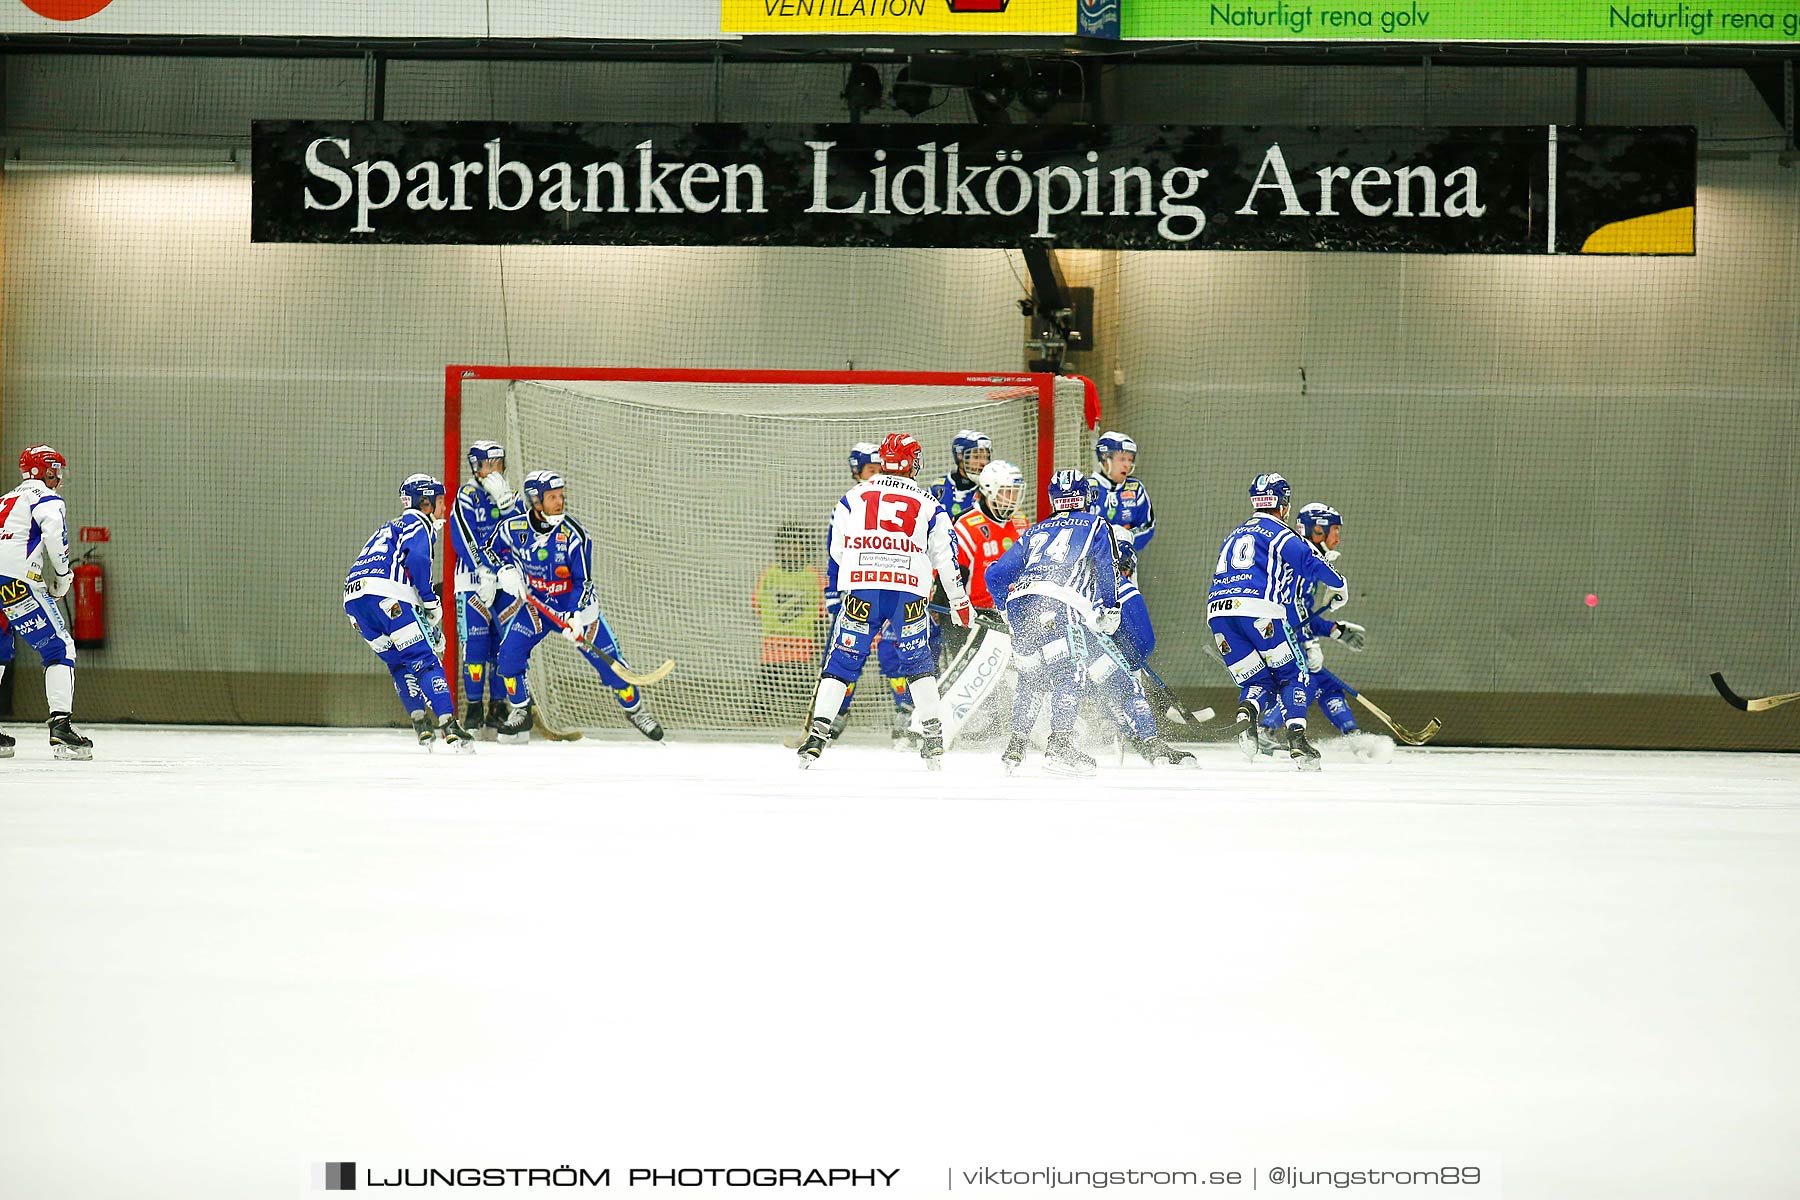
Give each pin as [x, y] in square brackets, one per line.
[40, 462]
[900, 454]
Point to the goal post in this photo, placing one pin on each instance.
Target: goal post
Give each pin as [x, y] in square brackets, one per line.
[707, 494]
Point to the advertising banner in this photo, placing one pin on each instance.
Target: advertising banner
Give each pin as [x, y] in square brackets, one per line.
[644, 19]
[1674, 21]
[1061, 18]
[1461, 190]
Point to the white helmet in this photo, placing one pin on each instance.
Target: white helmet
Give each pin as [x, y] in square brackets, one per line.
[1002, 486]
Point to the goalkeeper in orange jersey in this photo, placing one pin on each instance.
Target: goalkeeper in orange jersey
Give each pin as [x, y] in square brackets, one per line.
[989, 527]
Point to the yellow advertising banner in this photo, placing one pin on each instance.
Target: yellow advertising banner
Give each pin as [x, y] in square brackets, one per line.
[899, 16]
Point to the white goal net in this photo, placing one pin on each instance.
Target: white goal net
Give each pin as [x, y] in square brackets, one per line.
[708, 503]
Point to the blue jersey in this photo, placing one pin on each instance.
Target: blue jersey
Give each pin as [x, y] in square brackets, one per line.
[558, 563]
[1135, 639]
[1068, 557]
[1260, 565]
[396, 561]
[472, 522]
[956, 493]
[1126, 507]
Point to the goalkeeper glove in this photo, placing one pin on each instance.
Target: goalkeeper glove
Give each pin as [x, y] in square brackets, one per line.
[577, 626]
[1107, 621]
[511, 581]
[1353, 636]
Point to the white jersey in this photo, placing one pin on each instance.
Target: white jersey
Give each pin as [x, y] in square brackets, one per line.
[890, 534]
[34, 535]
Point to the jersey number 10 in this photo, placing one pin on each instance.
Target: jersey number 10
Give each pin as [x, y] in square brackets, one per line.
[1242, 553]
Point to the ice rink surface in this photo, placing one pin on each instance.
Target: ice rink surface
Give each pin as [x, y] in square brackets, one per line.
[228, 955]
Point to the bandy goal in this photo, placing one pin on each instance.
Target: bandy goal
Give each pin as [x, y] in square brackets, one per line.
[707, 494]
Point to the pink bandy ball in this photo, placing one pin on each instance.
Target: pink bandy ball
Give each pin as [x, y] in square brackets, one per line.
[1591, 600]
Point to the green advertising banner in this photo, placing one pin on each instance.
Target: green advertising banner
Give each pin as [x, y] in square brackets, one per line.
[1673, 21]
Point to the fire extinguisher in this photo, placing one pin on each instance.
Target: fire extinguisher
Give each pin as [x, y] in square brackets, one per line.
[90, 599]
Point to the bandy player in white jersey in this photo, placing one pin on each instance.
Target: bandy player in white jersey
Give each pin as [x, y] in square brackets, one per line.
[34, 571]
[890, 539]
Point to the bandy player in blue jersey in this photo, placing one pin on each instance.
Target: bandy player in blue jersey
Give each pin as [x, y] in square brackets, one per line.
[547, 554]
[483, 609]
[970, 451]
[1120, 496]
[890, 542]
[1065, 593]
[1313, 617]
[1260, 563]
[392, 604]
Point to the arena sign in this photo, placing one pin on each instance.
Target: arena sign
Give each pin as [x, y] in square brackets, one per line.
[1668, 21]
[1479, 190]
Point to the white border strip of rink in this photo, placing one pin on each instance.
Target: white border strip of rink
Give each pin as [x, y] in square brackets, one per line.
[1552, 231]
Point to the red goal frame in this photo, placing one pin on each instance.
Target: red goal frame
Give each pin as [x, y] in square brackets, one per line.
[455, 374]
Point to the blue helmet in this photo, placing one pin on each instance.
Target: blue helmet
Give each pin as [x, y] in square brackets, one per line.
[1069, 491]
[539, 482]
[484, 452]
[420, 490]
[1316, 516]
[1113, 440]
[861, 455]
[1126, 557]
[1269, 492]
[966, 442]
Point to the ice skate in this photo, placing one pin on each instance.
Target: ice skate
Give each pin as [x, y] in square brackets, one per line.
[815, 743]
[644, 723]
[931, 744]
[1303, 752]
[902, 733]
[6, 746]
[1013, 756]
[490, 726]
[422, 728]
[1155, 751]
[65, 742]
[1063, 758]
[1248, 732]
[456, 737]
[516, 729]
[1269, 742]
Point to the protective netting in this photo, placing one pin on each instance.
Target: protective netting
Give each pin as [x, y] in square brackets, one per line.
[708, 504]
[1506, 436]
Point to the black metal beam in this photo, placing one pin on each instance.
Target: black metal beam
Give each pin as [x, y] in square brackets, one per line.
[897, 49]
